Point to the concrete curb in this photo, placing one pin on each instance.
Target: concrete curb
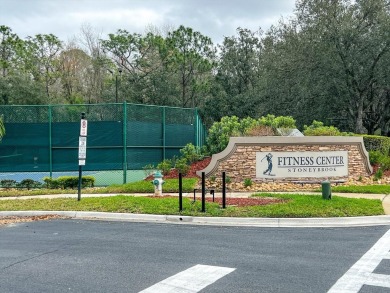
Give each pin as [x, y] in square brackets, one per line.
[215, 221]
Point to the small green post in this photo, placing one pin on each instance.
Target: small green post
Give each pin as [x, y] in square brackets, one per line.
[326, 190]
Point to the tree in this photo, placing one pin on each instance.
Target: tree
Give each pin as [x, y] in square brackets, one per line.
[74, 67]
[191, 56]
[144, 78]
[358, 36]
[236, 89]
[8, 46]
[41, 60]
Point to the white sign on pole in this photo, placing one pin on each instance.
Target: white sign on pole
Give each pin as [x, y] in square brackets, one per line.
[83, 127]
[81, 162]
[82, 147]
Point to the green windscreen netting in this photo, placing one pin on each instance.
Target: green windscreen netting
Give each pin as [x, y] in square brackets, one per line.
[122, 139]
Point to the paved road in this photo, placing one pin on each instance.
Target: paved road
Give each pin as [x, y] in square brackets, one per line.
[98, 256]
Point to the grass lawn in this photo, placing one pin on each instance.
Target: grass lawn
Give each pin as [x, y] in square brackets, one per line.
[294, 206]
[373, 189]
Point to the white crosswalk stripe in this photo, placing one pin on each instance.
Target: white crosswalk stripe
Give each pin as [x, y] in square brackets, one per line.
[361, 273]
[191, 280]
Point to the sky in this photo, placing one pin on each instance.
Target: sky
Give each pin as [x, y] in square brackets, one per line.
[213, 18]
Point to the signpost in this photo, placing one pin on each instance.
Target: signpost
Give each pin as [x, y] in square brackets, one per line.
[82, 149]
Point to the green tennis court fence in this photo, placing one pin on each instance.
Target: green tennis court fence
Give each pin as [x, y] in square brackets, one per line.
[121, 137]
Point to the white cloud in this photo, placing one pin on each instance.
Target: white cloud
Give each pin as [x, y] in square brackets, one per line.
[213, 18]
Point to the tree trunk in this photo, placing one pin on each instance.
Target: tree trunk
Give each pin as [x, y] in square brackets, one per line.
[359, 128]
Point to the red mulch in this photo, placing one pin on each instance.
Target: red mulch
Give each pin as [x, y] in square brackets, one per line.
[385, 173]
[174, 174]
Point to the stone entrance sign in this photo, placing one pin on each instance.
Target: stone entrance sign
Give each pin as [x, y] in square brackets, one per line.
[275, 158]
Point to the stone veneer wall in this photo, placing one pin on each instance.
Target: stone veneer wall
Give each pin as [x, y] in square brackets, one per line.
[238, 160]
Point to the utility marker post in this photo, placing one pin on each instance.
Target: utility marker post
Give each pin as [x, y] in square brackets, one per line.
[82, 149]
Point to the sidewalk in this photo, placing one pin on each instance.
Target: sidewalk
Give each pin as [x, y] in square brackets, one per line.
[219, 221]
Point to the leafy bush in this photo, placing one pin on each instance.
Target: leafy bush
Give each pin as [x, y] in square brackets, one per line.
[378, 174]
[29, 184]
[377, 143]
[375, 157]
[8, 183]
[385, 163]
[182, 166]
[65, 182]
[317, 128]
[220, 132]
[192, 153]
[165, 166]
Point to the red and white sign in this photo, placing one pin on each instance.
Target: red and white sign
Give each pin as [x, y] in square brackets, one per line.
[83, 127]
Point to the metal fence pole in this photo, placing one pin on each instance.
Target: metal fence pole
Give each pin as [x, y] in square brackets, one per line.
[50, 143]
[124, 142]
[163, 131]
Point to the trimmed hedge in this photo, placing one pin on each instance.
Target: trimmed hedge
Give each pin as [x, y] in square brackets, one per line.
[65, 182]
[377, 143]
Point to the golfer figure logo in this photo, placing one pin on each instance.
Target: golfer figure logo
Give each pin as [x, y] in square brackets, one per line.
[269, 168]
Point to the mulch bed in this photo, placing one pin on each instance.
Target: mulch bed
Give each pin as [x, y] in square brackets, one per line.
[385, 173]
[174, 174]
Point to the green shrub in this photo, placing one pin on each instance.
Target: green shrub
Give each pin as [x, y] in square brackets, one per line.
[248, 182]
[192, 153]
[29, 184]
[51, 183]
[220, 132]
[165, 166]
[385, 163]
[182, 166]
[377, 143]
[230, 126]
[317, 128]
[72, 182]
[8, 183]
[284, 122]
[375, 157]
[378, 174]
[88, 181]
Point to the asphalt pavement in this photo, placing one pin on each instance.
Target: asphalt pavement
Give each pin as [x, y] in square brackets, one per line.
[107, 256]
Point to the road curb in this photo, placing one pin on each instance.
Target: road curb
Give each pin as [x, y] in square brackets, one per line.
[215, 221]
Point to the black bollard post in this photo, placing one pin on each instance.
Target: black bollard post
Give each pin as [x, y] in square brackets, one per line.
[203, 193]
[180, 192]
[223, 190]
